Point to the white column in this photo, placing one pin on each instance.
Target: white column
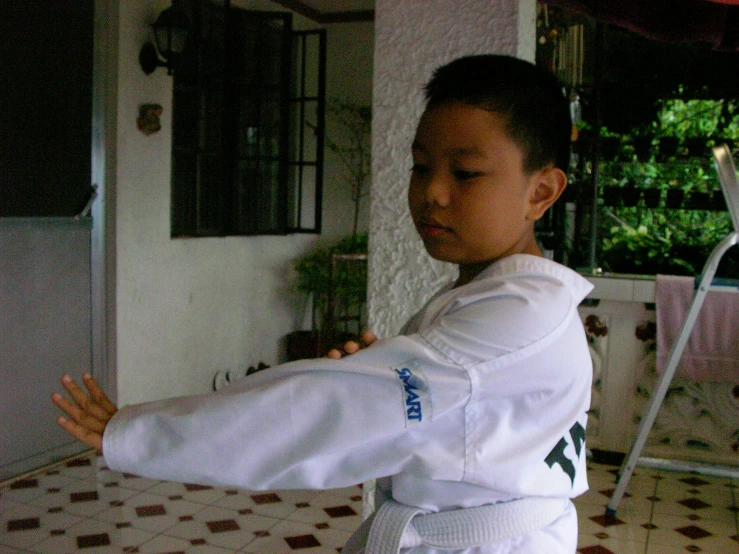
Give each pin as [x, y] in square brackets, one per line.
[412, 38]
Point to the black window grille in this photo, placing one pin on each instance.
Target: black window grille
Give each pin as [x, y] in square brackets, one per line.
[247, 125]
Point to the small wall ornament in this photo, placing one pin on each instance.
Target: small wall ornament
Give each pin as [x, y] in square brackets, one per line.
[148, 120]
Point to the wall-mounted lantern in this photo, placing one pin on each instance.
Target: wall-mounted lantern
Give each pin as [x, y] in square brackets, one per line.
[170, 34]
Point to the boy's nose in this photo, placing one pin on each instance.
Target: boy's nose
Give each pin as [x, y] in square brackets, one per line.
[437, 191]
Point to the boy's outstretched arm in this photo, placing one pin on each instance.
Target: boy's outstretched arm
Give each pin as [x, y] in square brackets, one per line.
[352, 346]
[89, 414]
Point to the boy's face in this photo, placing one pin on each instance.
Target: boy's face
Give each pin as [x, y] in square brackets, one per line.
[469, 197]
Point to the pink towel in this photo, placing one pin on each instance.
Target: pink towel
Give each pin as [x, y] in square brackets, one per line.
[712, 352]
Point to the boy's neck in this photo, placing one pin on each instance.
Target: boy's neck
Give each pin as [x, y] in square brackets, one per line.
[468, 272]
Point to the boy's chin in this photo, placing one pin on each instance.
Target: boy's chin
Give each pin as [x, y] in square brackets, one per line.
[440, 255]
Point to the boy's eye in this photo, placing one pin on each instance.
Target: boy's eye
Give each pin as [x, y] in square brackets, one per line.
[464, 175]
[419, 169]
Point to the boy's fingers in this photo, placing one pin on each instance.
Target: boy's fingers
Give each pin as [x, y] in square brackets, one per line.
[98, 395]
[77, 415]
[85, 403]
[351, 347]
[87, 436]
[334, 354]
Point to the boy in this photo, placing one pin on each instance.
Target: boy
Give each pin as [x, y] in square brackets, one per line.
[473, 420]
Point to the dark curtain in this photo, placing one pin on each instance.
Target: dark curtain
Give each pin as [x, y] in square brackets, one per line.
[715, 22]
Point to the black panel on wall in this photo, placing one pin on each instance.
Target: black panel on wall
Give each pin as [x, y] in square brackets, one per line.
[46, 49]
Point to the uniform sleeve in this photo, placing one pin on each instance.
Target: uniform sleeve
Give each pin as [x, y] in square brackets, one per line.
[310, 424]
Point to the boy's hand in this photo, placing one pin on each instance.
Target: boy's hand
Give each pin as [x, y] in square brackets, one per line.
[350, 347]
[89, 415]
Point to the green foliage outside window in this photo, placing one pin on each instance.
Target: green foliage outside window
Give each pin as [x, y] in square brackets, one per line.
[646, 240]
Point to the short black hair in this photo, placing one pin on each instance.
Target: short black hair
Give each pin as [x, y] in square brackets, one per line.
[532, 101]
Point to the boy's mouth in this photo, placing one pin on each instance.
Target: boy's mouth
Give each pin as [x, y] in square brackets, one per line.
[430, 228]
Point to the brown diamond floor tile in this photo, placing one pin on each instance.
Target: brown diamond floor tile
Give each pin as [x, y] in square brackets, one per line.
[694, 481]
[693, 532]
[606, 520]
[340, 511]
[23, 524]
[597, 549]
[89, 541]
[608, 493]
[24, 484]
[268, 498]
[302, 541]
[694, 503]
[190, 487]
[88, 496]
[149, 511]
[223, 526]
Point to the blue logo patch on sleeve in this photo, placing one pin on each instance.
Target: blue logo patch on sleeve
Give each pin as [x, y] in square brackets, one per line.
[417, 400]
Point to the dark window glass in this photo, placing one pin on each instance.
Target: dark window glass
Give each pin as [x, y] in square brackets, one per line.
[244, 130]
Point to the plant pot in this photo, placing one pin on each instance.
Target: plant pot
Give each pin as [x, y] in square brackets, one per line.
[675, 198]
[696, 147]
[668, 146]
[611, 196]
[699, 201]
[652, 197]
[642, 147]
[630, 196]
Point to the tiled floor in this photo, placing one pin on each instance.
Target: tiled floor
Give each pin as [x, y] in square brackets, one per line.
[81, 506]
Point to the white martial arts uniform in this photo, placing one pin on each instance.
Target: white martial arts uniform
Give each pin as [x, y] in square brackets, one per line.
[482, 401]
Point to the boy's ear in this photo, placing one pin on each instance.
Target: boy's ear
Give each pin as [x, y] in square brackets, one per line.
[549, 183]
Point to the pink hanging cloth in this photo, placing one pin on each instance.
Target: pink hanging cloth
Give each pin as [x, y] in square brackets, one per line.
[712, 352]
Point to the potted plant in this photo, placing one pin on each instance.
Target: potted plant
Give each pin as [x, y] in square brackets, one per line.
[696, 147]
[652, 197]
[642, 147]
[668, 147]
[630, 194]
[325, 281]
[674, 198]
[698, 200]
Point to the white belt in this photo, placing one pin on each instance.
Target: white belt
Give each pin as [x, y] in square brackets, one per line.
[397, 526]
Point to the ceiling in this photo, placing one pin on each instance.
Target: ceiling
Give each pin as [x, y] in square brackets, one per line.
[331, 6]
[332, 11]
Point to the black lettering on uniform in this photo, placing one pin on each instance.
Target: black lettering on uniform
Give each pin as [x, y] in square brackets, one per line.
[577, 432]
[557, 456]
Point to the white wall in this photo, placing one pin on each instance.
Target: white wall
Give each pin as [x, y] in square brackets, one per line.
[349, 67]
[412, 38]
[186, 308]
